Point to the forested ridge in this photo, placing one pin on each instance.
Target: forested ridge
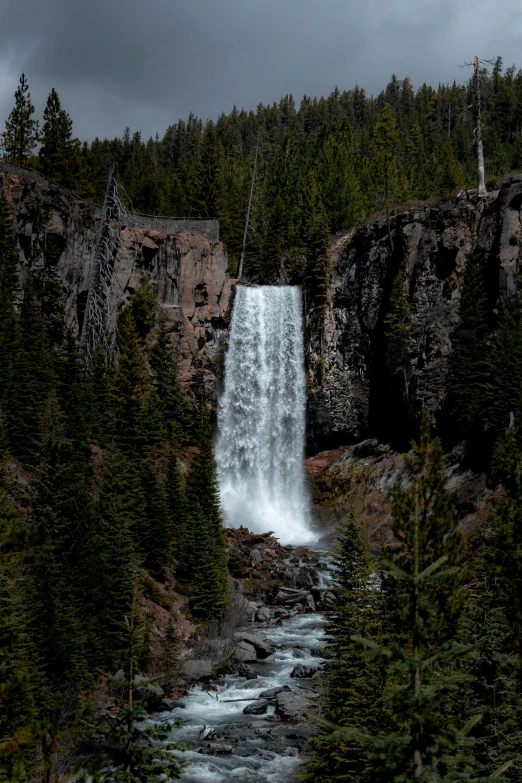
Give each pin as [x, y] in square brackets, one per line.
[108, 492]
[336, 159]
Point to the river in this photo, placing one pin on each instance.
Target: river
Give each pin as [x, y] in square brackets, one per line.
[255, 748]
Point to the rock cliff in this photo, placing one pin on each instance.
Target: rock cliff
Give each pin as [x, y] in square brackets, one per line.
[187, 272]
[361, 383]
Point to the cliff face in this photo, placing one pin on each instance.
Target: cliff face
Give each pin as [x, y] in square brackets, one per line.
[361, 382]
[187, 272]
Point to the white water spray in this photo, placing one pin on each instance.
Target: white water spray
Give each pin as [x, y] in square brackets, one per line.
[260, 447]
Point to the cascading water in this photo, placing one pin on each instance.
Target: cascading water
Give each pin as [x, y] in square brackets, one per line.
[260, 447]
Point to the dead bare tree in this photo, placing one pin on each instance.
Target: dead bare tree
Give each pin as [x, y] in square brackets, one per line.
[478, 131]
[477, 105]
[247, 221]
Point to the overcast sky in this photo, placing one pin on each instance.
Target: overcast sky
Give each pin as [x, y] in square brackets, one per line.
[147, 63]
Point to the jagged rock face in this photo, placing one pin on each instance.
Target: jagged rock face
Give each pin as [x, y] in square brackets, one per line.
[363, 384]
[187, 272]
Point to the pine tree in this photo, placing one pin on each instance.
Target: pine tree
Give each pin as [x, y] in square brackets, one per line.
[119, 518]
[352, 686]
[18, 655]
[59, 152]
[137, 753]
[143, 307]
[495, 690]
[169, 650]
[430, 739]
[204, 564]
[21, 131]
[8, 289]
[450, 177]
[134, 407]
[172, 400]
[318, 268]
[31, 377]
[384, 160]
[502, 388]
[208, 195]
[61, 514]
[156, 538]
[504, 556]
[176, 500]
[274, 244]
[399, 319]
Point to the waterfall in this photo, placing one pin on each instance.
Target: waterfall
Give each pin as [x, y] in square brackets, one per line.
[262, 416]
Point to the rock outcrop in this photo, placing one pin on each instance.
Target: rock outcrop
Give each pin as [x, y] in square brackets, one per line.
[187, 272]
[362, 383]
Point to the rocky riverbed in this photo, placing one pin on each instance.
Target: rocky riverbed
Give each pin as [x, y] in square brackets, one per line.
[250, 727]
[246, 694]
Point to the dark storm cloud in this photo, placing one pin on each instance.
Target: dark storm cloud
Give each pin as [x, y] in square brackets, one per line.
[146, 63]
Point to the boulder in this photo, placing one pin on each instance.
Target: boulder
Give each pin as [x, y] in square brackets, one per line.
[171, 704]
[302, 672]
[309, 603]
[270, 659]
[271, 693]
[246, 671]
[291, 706]
[263, 614]
[151, 695]
[196, 669]
[244, 652]
[217, 749]
[263, 650]
[297, 653]
[258, 707]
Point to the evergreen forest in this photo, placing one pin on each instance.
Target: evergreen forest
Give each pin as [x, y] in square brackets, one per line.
[334, 160]
[108, 490]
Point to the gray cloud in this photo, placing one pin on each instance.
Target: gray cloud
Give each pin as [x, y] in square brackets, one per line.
[147, 63]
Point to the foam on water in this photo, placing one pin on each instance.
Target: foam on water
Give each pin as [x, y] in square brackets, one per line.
[260, 446]
[256, 765]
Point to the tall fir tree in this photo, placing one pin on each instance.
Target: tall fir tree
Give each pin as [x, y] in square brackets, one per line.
[8, 290]
[430, 736]
[31, 377]
[204, 563]
[384, 161]
[352, 686]
[136, 421]
[59, 152]
[20, 136]
[172, 400]
[208, 193]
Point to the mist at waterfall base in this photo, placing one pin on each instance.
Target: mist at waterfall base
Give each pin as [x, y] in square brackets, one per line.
[262, 416]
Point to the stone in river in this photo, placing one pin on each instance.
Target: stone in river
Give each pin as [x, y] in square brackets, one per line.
[303, 672]
[271, 693]
[258, 707]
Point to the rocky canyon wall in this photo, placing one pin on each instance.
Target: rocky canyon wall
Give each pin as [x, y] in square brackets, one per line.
[361, 383]
[364, 384]
[187, 272]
